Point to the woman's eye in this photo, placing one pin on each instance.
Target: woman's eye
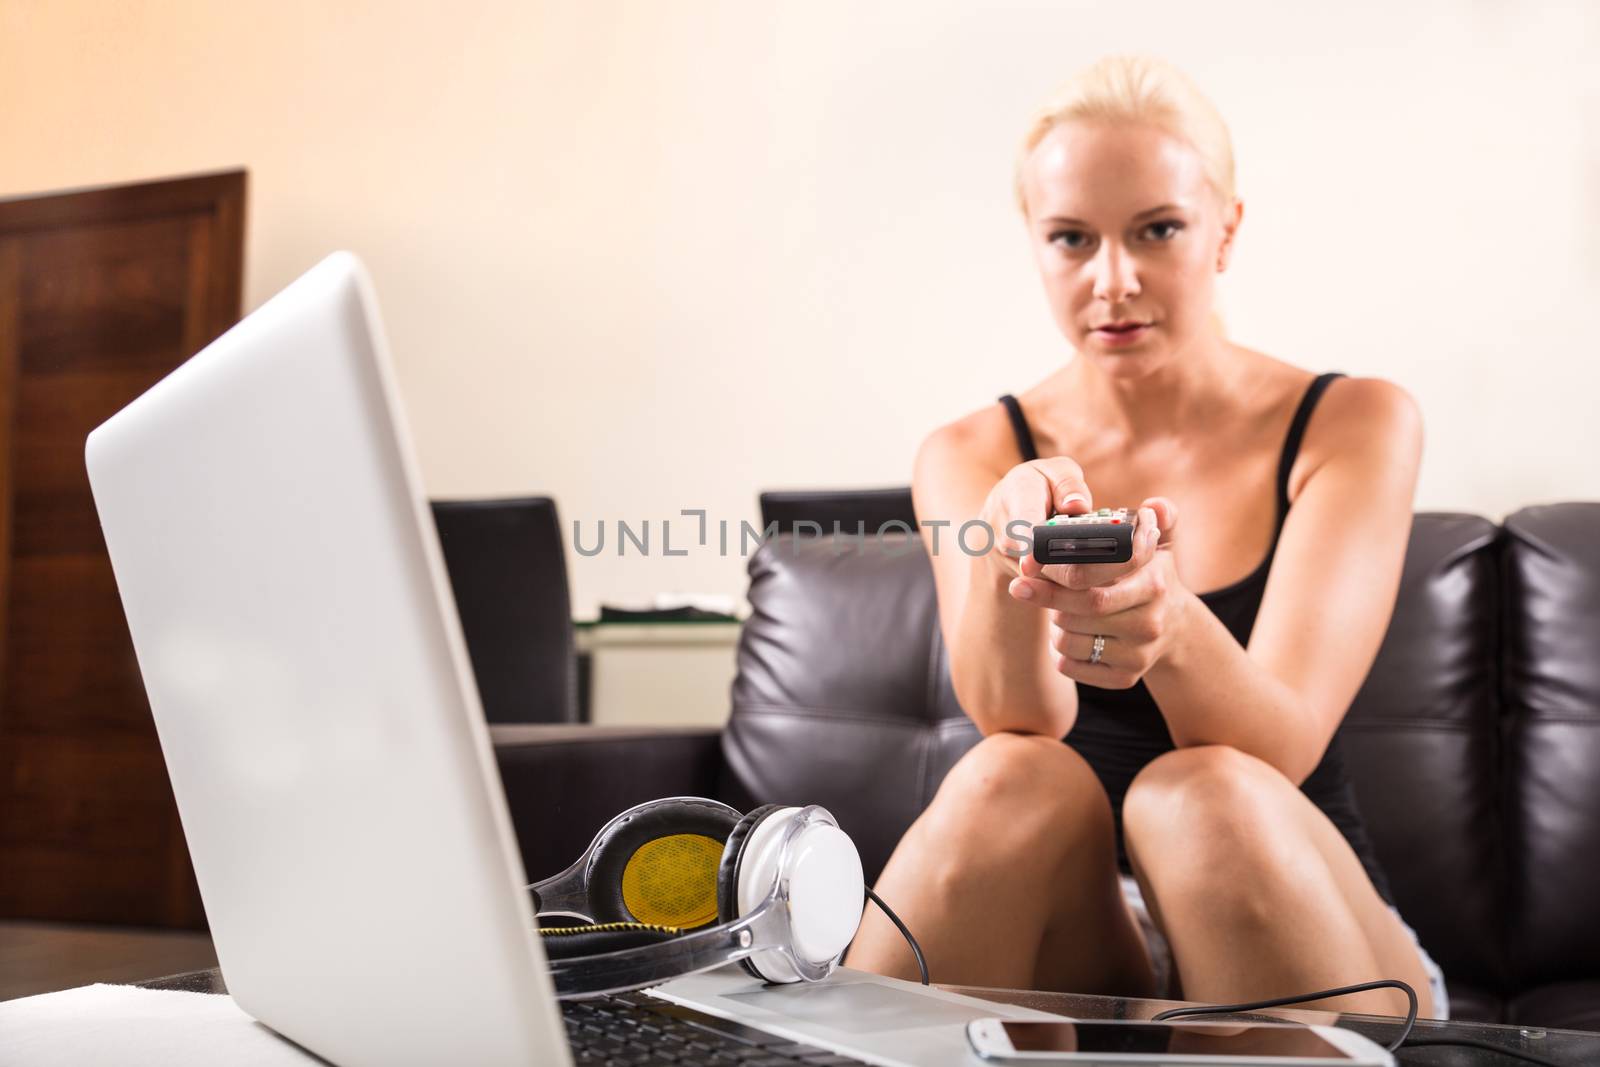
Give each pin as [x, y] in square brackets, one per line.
[1070, 239]
[1164, 230]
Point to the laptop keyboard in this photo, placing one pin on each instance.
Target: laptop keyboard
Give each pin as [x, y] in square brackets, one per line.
[634, 1030]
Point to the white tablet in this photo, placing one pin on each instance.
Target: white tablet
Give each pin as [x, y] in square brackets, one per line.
[1111, 1042]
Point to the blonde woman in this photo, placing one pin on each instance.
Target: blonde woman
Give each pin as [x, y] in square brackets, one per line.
[1159, 804]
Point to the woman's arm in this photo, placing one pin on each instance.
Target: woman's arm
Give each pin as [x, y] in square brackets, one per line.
[1329, 597]
[998, 663]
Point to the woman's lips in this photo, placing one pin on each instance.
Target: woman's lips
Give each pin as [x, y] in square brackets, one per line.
[1120, 337]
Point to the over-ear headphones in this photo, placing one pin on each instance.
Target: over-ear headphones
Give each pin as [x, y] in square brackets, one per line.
[683, 884]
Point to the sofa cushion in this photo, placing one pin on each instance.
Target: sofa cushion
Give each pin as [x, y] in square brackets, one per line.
[1552, 700]
[1470, 1004]
[843, 694]
[1420, 743]
[1564, 1005]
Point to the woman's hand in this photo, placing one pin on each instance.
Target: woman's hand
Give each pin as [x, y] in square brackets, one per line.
[1029, 494]
[1137, 606]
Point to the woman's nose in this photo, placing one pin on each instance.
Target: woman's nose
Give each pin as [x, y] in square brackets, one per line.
[1115, 278]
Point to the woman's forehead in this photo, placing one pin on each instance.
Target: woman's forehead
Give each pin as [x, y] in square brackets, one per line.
[1097, 171]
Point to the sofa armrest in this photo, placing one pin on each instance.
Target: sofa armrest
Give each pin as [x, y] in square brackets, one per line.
[563, 782]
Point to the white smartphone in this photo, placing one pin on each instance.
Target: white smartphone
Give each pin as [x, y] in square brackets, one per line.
[1116, 1042]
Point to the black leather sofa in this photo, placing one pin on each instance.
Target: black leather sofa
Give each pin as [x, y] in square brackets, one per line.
[1475, 742]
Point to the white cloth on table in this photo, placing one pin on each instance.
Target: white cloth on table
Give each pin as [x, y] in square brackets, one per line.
[134, 1027]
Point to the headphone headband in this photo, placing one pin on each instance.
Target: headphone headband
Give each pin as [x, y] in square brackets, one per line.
[636, 968]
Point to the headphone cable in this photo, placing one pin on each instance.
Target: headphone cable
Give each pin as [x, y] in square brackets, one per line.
[1228, 1009]
[916, 950]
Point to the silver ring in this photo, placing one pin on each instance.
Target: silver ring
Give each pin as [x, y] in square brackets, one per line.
[1099, 647]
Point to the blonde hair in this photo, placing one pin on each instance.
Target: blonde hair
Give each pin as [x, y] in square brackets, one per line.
[1137, 89]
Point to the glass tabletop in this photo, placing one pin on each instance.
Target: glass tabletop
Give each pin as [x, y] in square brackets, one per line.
[209, 981]
[1577, 1048]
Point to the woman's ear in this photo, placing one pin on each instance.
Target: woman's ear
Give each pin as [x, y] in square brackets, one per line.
[1231, 217]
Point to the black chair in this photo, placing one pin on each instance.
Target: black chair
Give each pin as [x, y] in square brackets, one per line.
[509, 574]
[855, 510]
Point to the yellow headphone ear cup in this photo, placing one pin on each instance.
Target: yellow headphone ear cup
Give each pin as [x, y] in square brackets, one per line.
[660, 888]
[672, 880]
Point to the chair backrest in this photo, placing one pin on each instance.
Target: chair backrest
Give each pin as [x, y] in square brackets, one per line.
[509, 574]
[853, 509]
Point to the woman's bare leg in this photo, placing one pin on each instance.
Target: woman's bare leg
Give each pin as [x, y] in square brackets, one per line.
[1009, 879]
[1258, 893]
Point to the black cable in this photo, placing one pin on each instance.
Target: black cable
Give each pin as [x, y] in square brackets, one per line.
[916, 949]
[1526, 1057]
[1405, 1040]
[1228, 1009]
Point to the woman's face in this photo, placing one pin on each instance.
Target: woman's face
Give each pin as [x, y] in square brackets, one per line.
[1129, 236]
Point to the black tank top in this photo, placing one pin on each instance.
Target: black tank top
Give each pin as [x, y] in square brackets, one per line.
[1118, 731]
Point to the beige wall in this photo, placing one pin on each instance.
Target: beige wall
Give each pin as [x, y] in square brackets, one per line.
[662, 254]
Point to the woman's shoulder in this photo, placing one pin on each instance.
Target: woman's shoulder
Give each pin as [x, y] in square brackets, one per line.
[1359, 417]
[1353, 409]
[1350, 406]
[983, 437]
[981, 432]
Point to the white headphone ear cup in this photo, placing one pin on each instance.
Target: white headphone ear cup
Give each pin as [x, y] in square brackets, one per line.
[756, 871]
[733, 853]
[826, 890]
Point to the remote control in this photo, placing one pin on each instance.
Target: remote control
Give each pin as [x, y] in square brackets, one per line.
[1104, 536]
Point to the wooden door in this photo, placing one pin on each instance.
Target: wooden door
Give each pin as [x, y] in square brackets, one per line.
[102, 293]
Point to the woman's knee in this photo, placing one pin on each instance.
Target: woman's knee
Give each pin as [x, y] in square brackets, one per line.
[1209, 812]
[1026, 786]
[1206, 782]
[1029, 772]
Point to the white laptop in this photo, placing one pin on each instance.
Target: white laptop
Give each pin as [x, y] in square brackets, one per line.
[301, 651]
